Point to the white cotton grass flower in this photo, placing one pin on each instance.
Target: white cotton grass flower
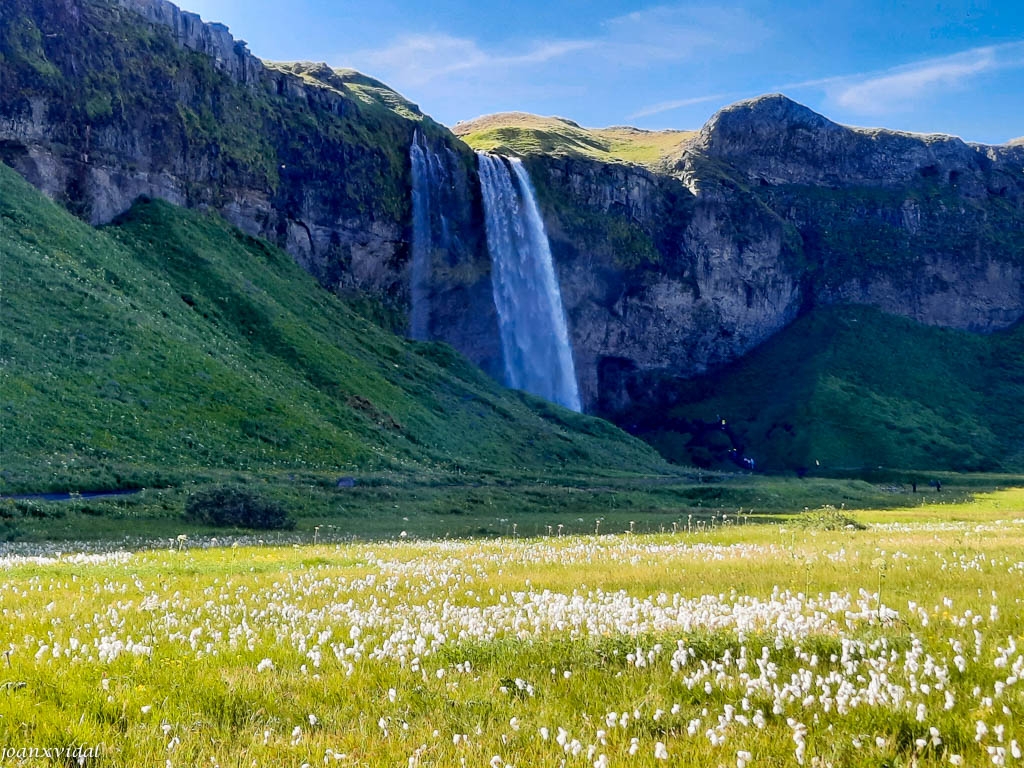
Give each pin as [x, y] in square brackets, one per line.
[660, 751]
[265, 666]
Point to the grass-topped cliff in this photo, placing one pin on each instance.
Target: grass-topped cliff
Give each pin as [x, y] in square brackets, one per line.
[105, 100]
[701, 260]
[170, 343]
[524, 134]
[95, 71]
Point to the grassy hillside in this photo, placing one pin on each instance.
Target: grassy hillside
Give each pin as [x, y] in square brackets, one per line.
[374, 98]
[526, 134]
[170, 342]
[851, 388]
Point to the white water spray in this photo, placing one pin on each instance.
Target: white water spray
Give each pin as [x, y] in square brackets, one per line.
[534, 335]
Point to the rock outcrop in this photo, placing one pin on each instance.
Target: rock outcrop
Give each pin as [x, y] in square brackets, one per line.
[772, 210]
[214, 40]
[104, 101]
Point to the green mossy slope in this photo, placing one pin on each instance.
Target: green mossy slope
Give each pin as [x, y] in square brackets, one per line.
[170, 342]
[527, 135]
[852, 389]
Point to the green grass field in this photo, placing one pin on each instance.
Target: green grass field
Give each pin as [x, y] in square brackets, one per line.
[728, 643]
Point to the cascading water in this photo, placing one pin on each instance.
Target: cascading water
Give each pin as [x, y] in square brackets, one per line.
[422, 247]
[534, 335]
[433, 197]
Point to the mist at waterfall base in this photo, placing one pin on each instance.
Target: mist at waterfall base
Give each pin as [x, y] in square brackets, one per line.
[531, 319]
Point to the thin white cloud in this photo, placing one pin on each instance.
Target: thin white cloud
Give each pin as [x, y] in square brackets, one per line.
[893, 89]
[418, 59]
[449, 71]
[883, 93]
[659, 34]
[675, 32]
[668, 106]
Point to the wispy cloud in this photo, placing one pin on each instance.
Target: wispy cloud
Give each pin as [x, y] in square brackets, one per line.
[668, 106]
[418, 59]
[660, 34]
[667, 33]
[884, 92]
[889, 90]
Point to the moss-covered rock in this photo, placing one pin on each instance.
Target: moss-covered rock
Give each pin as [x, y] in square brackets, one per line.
[102, 101]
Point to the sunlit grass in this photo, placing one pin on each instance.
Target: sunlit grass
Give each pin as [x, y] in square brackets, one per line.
[437, 651]
[527, 134]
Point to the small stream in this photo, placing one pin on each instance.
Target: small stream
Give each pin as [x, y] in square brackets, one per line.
[68, 495]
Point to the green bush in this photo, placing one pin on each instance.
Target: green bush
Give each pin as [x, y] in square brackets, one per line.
[828, 518]
[232, 506]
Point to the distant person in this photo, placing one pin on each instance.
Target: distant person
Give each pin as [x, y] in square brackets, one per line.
[938, 486]
[913, 486]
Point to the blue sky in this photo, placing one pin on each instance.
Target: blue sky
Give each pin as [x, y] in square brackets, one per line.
[948, 66]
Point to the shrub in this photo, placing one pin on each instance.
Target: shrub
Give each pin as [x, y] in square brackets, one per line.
[233, 506]
[828, 518]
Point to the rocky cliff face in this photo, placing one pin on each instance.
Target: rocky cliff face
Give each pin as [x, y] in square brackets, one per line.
[667, 270]
[770, 211]
[102, 101]
[653, 277]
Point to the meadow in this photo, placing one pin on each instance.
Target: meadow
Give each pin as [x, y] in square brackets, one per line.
[828, 638]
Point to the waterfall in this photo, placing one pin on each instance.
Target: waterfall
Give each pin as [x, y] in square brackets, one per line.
[422, 247]
[534, 335]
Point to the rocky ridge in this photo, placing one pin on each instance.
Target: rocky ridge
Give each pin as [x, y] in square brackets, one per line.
[770, 211]
[104, 101]
[676, 253]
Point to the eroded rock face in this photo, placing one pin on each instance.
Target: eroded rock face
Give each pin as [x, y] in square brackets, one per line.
[771, 210]
[104, 102]
[774, 209]
[775, 140]
[212, 39]
[696, 296]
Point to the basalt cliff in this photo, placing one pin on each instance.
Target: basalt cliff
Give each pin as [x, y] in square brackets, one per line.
[693, 259]
[675, 260]
[104, 101]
